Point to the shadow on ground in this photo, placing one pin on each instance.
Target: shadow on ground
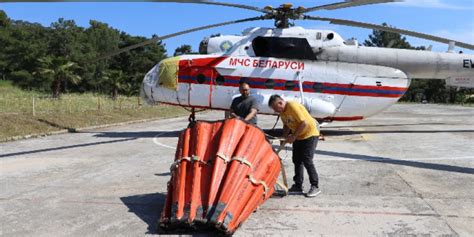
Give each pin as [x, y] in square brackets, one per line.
[385, 125]
[409, 163]
[65, 147]
[347, 131]
[143, 134]
[387, 160]
[340, 132]
[148, 208]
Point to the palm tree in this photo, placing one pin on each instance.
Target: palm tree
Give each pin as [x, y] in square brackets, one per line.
[58, 70]
[115, 80]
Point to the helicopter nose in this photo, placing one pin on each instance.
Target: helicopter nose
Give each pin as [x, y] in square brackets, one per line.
[162, 78]
[149, 81]
[168, 73]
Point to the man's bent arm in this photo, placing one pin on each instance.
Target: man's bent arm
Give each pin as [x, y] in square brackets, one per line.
[252, 114]
[286, 131]
[233, 114]
[300, 128]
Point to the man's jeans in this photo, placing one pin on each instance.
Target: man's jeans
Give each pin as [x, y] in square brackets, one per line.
[303, 152]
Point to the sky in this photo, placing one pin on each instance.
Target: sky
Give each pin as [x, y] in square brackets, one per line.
[452, 19]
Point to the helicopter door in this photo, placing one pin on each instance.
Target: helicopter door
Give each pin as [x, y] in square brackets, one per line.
[318, 103]
[344, 100]
[200, 87]
[222, 93]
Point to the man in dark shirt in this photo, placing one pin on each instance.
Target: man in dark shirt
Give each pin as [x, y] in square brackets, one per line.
[244, 106]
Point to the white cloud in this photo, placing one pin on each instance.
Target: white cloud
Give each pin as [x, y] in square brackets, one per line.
[436, 4]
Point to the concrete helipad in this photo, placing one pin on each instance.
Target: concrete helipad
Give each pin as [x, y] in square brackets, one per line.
[406, 172]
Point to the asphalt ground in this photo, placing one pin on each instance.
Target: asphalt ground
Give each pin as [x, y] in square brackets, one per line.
[406, 172]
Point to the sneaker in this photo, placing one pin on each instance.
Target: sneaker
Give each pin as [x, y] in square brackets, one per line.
[313, 192]
[296, 189]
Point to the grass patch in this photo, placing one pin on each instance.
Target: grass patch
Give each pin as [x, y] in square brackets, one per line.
[71, 111]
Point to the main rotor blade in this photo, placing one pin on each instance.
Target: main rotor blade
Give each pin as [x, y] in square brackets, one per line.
[391, 29]
[156, 39]
[347, 3]
[208, 2]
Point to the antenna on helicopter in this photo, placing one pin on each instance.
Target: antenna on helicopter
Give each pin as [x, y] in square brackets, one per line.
[452, 44]
[391, 43]
[352, 41]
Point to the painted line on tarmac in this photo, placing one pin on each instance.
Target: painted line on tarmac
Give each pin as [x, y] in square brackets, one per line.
[155, 140]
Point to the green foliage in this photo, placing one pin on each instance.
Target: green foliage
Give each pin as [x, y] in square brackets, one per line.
[469, 99]
[23, 78]
[62, 57]
[183, 49]
[387, 39]
[137, 62]
[115, 81]
[436, 91]
[58, 70]
[22, 44]
[4, 20]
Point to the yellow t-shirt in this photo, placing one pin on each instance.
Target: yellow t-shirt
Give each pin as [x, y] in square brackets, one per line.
[295, 113]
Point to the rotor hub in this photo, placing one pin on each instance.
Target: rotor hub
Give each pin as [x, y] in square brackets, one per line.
[283, 14]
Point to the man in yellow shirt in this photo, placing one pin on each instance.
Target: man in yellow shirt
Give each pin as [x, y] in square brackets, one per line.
[304, 136]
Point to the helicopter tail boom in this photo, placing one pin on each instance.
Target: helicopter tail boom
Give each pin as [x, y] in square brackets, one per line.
[415, 63]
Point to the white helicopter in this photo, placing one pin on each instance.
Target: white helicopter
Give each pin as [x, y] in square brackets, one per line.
[336, 80]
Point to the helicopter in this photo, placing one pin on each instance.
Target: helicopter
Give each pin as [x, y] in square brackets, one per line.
[335, 79]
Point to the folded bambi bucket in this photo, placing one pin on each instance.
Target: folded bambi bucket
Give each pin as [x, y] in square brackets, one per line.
[222, 172]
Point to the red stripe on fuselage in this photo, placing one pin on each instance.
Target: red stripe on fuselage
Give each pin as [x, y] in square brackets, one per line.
[189, 69]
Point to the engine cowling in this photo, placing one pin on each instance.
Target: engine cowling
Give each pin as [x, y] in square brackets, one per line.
[218, 44]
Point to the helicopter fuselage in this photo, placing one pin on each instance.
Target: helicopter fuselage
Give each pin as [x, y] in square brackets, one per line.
[333, 80]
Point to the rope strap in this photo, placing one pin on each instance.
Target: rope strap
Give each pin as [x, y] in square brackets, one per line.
[189, 159]
[223, 156]
[175, 164]
[197, 159]
[259, 182]
[283, 186]
[242, 160]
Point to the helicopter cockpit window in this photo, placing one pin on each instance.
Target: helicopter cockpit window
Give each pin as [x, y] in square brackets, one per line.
[290, 85]
[330, 36]
[318, 35]
[318, 87]
[243, 80]
[269, 84]
[220, 80]
[278, 47]
[203, 46]
[201, 78]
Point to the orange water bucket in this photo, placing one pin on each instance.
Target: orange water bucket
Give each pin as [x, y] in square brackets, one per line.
[222, 172]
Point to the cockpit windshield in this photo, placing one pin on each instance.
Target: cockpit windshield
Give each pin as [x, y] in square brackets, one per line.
[280, 47]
